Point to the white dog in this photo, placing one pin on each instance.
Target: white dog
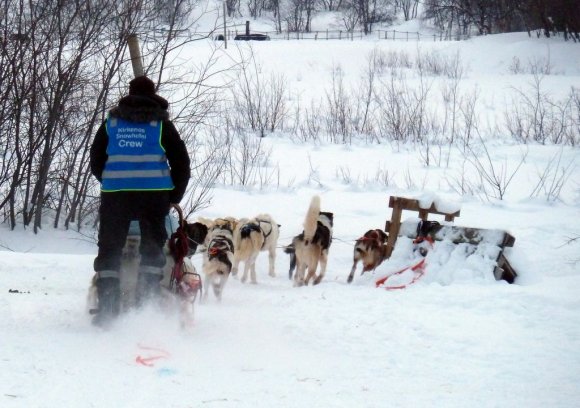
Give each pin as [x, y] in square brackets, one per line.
[252, 236]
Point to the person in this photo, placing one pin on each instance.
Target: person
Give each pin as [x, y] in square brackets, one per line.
[143, 166]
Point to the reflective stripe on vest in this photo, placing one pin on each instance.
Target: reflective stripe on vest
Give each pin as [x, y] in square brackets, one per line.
[136, 160]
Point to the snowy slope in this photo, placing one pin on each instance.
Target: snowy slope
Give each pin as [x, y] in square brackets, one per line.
[456, 338]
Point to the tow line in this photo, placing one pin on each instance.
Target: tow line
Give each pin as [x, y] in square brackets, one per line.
[418, 268]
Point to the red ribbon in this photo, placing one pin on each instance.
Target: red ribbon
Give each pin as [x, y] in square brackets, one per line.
[148, 361]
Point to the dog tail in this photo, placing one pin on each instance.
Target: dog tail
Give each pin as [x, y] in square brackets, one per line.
[291, 250]
[311, 220]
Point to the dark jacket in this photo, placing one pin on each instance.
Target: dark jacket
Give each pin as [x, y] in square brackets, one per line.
[139, 108]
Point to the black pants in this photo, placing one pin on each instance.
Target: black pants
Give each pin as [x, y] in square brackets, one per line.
[116, 212]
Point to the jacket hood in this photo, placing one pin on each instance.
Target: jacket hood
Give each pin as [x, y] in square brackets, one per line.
[138, 108]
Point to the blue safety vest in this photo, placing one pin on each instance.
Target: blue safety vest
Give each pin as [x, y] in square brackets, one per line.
[136, 160]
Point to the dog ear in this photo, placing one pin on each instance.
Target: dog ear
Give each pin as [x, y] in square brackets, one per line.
[383, 235]
[205, 221]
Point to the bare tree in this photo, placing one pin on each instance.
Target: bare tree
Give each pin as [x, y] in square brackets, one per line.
[461, 17]
[373, 11]
[553, 177]
[259, 99]
[408, 7]
[47, 70]
[339, 116]
[331, 5]
[276, 8]
[495, 178]
[535, 116]
[350, 16]
[233, 8]
[63, 66]
[298, 14]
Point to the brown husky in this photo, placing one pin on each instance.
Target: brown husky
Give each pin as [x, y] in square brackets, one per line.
[371, 249]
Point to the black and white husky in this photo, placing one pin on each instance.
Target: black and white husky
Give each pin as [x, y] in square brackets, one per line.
[310, 248]
[219, 257]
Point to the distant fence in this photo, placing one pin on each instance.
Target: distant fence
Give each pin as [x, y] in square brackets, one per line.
[321, 35]
[350, 35]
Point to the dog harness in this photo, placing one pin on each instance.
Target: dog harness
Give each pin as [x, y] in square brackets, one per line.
[247, 229]
[260, 222]
[218, 248]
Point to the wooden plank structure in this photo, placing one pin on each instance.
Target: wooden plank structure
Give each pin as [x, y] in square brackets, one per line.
[502, 271]
[398, 204]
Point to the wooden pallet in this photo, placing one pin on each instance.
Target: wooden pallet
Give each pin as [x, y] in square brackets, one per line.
[503, 269]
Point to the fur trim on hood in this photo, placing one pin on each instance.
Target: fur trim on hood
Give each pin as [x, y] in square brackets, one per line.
[138, 108]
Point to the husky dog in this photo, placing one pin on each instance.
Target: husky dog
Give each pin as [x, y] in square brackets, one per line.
[371, 249]
[311, 247]
[181, 288]
[424, 240]
[219, 257]
[196, 235]
[182, 280]
[252, 236]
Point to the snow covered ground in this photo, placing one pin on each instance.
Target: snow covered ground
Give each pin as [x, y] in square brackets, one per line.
[456, 338]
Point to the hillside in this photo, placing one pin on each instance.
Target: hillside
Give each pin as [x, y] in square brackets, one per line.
[455, 338]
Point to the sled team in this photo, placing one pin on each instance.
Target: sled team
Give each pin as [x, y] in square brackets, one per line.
[144, 168]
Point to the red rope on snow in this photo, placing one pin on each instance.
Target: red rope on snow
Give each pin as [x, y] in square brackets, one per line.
[148, 361]
[419, 268]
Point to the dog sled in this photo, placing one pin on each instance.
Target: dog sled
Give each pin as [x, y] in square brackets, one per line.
[179, 249]
[181, 284]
